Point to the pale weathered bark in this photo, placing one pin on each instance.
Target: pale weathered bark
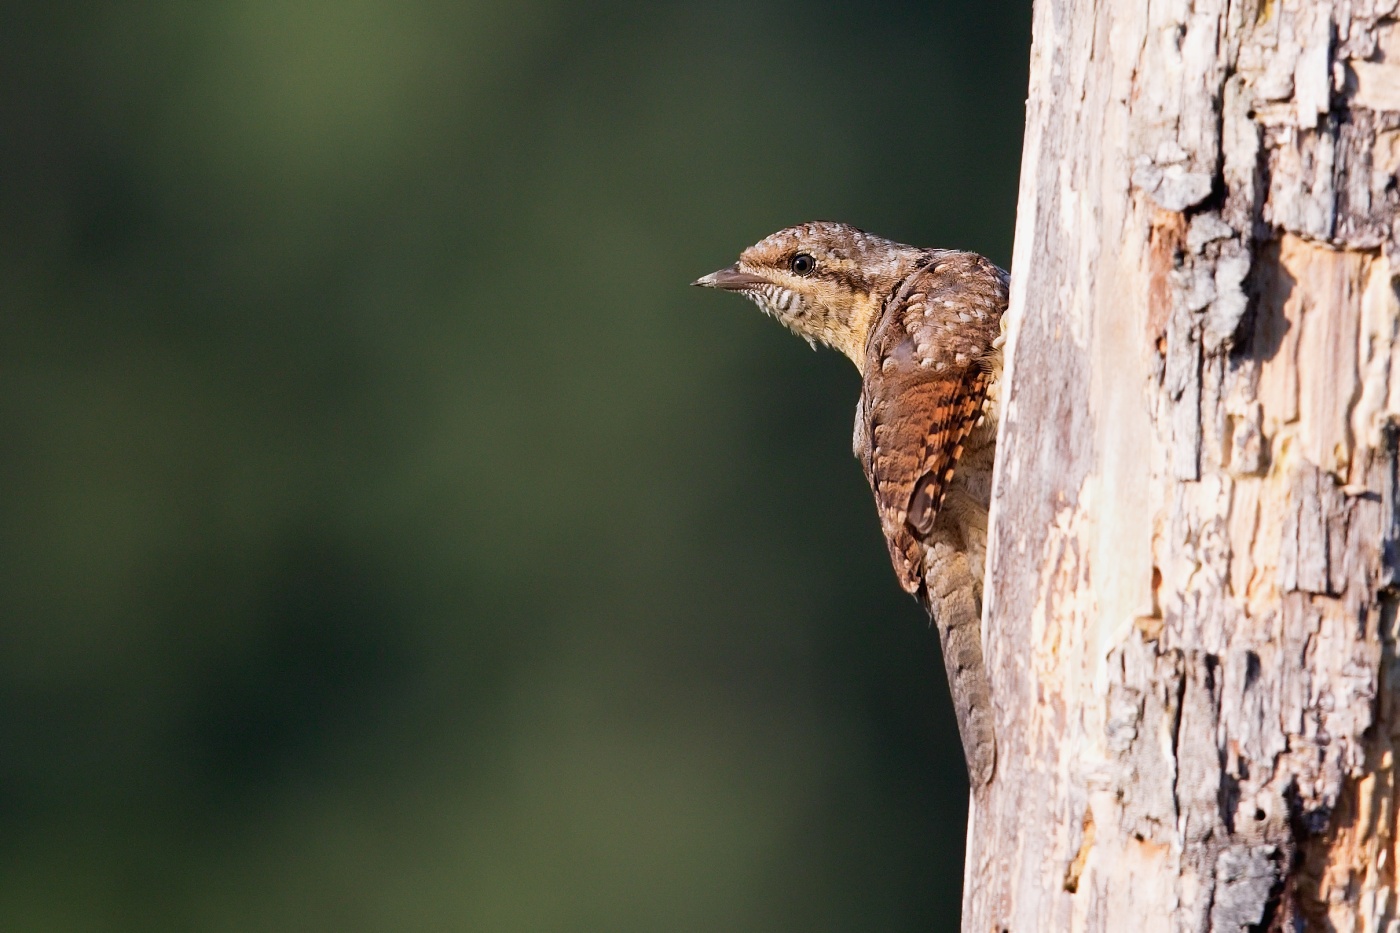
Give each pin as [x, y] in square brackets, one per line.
[1190, 619]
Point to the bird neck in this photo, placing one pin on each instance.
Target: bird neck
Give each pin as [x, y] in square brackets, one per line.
[852, 328]
[863, 308]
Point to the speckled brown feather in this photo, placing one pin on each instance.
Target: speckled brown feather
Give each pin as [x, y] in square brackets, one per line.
[917, 434]
[923, 326]
[930, 360]
[926, 380]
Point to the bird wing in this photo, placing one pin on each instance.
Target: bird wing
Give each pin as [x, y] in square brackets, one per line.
[927, 377]
[915, 441]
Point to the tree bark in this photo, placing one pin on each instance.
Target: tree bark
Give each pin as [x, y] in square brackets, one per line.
[1190, 619]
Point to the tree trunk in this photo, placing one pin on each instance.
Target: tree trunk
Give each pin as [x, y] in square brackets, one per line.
[1190, 615]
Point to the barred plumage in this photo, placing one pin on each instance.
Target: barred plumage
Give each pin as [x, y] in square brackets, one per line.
[923, 327]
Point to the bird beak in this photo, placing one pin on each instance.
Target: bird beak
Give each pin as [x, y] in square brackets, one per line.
[730, 279]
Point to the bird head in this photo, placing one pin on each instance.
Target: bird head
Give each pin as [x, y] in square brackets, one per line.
[825, 281]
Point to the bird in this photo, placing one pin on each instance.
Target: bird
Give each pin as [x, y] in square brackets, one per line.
[925, 329]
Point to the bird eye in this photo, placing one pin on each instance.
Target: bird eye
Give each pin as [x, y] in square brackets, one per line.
[802, 264]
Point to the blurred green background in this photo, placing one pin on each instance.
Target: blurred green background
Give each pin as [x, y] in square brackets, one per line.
[391, 538]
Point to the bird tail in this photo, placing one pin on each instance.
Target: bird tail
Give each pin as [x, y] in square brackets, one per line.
[952, 596]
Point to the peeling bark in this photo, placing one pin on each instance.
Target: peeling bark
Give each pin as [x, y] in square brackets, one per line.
[1190, 619]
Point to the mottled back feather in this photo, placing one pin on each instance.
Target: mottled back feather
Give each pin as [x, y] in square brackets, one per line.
[927, 374]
